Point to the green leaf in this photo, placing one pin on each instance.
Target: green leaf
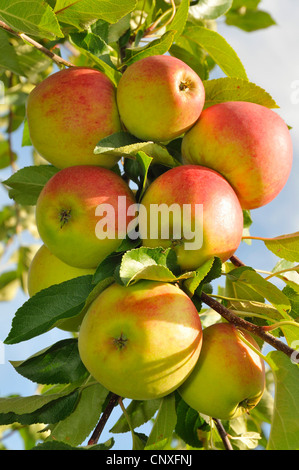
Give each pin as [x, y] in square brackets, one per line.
[219, 50]
[248, 278]
[284, 246]
[207, 272]
[125, 144]
[58, 364]
[57, 445]
[250, 20]
[156, 47]
[284, 433]
[27, 183]
[210, 9]
[164, 424]
[81, 13]
[8, 57]
[139, 411]
[91, 42]
[188, 423]
[225, 89]
[78, 425]
[42, 311]
[32, 17]
[37, 408]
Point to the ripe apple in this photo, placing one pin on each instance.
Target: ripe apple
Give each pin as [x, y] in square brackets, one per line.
[69, 112]
[68, 210]
[206, 220]
[229, 377]
[249, 144]
[45, 270]
[159, 98]
[141, 341]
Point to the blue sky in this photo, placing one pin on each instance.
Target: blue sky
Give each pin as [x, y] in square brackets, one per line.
[271, 60]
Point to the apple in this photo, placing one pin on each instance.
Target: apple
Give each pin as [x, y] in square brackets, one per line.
[159, 98]
[249, 144]
[68, 214]
[229, 377]
[141, 341]
[201, 216]
[45, 270]
[69, 112]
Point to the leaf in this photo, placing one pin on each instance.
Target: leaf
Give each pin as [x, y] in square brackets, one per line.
[58, 364]
[247, 277]
[139, 411]
[27, 183]
[154, 264]
[284, 246]
[156, 47]
[207, 272]
[32, 17]
[125, 144]
[42, 311]
[188, 423]
[250, 20]
[219, 50]
[37, 408]
[8, 57]
[164, 424]
[80, 13]
[78, 425]
[225, 89]
[57, 445]
[284, 433]
[210, 9]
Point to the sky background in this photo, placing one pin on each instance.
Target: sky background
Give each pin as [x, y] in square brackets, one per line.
[271, 59]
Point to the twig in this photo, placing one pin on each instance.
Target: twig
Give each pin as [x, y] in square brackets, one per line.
[241, 323]
[236, 261]
[56, 58]
[223, 434]
[103, 420]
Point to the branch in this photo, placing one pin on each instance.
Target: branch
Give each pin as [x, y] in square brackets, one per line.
[241, 323]
[58, 60]
[103, 420]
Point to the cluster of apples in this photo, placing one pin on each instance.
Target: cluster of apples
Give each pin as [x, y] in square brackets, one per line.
[146, 340]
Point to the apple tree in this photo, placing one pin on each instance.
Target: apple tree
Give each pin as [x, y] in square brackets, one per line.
[70, 409]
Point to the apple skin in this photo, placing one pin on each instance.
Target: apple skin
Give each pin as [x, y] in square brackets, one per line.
[68, 113]
[66, 214]
[141, 341]
[45, 270]
[222, 214]
[159, 98]
[249, 144]
[229, 377]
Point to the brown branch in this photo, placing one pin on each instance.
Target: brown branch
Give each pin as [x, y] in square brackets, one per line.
[223, 434]
[236, 261]
[103, 420]
[241, 323]
[56, 58]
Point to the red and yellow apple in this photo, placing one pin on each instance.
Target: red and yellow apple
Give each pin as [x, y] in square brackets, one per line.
[69, 112]
[194, 210]
[81, 214]
[159, 98]
[141, 341]
[46, 270]
[249, 144]
[229, 377]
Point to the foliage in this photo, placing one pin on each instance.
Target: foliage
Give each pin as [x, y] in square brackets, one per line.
[109, 36]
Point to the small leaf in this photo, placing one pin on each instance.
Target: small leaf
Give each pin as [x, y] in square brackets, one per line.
[188, 423]
[139, 411]
[225, 89]
[58, 364]
[27, 183]
[250, 20]
[164, 424]
[209, 9]
[284, 246]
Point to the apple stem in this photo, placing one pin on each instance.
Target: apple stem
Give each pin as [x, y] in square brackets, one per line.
[223, 434]
[104, 418]
[246, 325]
